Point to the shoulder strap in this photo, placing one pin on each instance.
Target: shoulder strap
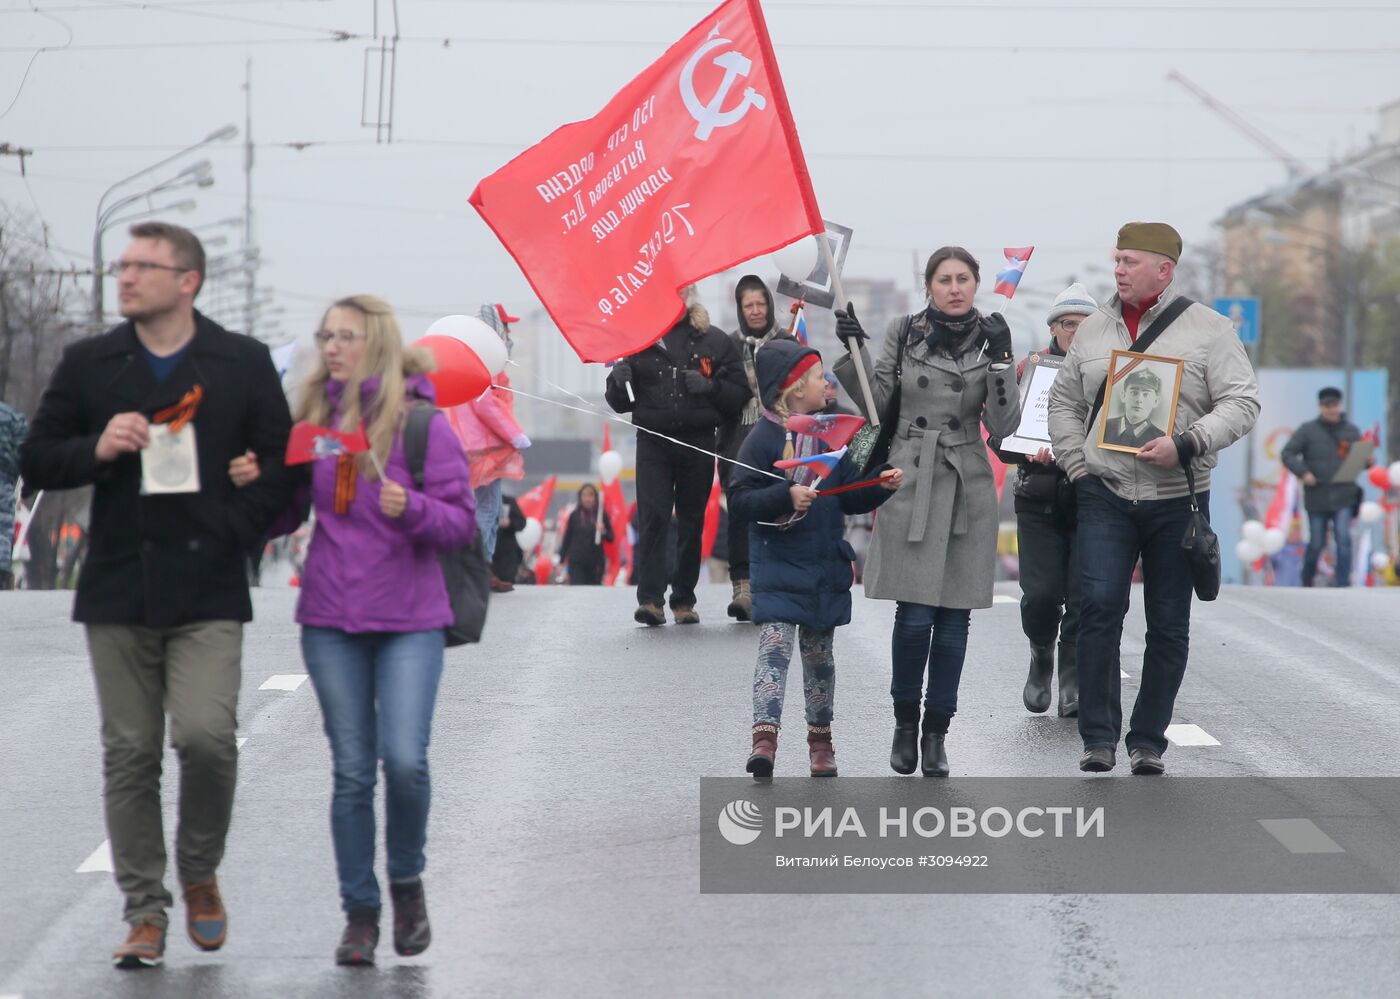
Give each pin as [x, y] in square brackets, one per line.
[1140, 345]
[415, 439]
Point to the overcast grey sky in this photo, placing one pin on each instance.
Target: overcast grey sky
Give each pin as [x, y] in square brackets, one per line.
[986, 124]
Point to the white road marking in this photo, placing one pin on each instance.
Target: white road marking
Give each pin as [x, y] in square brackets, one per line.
[1301, 836]
[1190, 735]
[1002, 598]
[284, 681]
[100, 860]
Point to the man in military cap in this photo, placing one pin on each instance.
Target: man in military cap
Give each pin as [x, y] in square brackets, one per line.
[1137, 504]
[1142, 390]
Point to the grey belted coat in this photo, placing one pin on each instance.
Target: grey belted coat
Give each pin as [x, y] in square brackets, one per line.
[935, 540]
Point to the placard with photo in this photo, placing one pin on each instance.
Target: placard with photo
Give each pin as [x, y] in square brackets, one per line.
[1140, 402]
[1033, 432]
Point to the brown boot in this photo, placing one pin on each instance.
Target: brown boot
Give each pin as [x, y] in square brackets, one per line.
[650, 615]
[741, 607]
[819, 748]
[765, 748]
[685, 615]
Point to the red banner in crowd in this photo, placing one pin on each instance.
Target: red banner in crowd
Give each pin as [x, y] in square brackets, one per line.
[534, 503]
[709, 531]
[618, 549]
[691, 168]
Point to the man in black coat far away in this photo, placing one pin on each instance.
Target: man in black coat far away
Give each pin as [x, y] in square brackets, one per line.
[150, 414]
[684, 386]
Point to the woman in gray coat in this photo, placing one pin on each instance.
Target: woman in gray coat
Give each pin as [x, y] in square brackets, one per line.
[934, 546]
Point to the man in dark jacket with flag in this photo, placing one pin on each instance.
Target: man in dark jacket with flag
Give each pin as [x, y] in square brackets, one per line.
[151, 414]
[684, 386]
[1315, 453]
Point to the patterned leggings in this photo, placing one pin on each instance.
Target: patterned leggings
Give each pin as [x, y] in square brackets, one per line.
[775, 642]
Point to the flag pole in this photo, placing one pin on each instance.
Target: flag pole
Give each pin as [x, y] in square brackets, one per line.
[871, 412]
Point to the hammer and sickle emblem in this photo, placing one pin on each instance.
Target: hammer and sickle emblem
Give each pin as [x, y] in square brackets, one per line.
[712, 115]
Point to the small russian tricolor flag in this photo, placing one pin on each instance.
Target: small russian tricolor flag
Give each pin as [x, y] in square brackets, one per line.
[836, 429]
[800, 330]
[1010, 275]
[822, 464]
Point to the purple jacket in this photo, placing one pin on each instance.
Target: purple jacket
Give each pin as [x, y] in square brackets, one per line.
[366, 572]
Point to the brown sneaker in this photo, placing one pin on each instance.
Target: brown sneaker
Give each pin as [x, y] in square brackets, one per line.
[204, 915]
[650, 615]
[144, 947]
[685, 615]
[819, 749]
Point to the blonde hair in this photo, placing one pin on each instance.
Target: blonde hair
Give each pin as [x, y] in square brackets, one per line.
[384, 357]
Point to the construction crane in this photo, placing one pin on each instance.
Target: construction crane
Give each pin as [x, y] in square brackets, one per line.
[1291, 163]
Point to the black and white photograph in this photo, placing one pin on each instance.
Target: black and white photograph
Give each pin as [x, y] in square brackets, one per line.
[1140, 402]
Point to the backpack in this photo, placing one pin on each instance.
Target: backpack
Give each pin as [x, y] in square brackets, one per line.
[465, 570]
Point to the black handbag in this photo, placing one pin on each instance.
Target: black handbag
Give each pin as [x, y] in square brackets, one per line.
[465, 570]
[870, 447]
[1201, 548]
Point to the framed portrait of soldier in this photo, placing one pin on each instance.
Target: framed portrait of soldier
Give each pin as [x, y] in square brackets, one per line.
[1140, 400]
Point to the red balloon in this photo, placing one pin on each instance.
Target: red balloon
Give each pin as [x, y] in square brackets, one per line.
[1379, 476]
[460, 376]
[544, 569]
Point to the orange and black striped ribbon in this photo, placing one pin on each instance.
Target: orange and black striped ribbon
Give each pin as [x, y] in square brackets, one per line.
[183, 411]
[346, 474]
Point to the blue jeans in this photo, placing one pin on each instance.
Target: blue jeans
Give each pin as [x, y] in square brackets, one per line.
[936, 636]
[1340, 521]
[1113, 532]
[488, 515]
[377, 693]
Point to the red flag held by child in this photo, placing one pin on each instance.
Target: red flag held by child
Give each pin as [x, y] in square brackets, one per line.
[609, 217]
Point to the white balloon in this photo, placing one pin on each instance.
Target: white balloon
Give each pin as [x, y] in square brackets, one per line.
[609, 467]
[1370, 512]
[529, 535]
[1253, 530]
[482, 339]
[1248, 552]
[1394, 472]
[1274, 540]
[797, 260]
[1380, 561]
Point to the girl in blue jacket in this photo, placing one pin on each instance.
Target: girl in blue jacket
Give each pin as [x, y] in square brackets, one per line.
[800, 561]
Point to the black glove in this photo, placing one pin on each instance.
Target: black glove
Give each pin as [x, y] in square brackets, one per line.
[848, 327]
[698, 384]
[998, 336]
[621, 372]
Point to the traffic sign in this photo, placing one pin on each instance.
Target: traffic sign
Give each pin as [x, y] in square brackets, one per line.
[1244, 313]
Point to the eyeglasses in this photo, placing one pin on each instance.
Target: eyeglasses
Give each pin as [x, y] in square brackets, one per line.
[343, 337]
[1068, 325]
[142, 267]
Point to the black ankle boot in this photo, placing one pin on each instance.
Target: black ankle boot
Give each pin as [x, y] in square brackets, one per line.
[904, 751]
[931, 748]
[412, 933]
[1069, 680]
[1037, 693]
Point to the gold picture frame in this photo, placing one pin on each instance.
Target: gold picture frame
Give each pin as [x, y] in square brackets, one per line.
[1140, 399]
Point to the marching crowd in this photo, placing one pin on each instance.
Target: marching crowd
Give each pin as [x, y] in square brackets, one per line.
[163, 596]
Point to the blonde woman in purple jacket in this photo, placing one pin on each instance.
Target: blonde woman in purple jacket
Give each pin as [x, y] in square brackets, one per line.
[373, 607]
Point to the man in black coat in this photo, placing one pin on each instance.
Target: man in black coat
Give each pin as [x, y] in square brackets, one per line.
[150, 414]
[1315, 454]
[685, 386]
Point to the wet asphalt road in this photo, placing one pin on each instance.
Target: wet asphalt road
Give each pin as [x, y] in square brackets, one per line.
[564, 842]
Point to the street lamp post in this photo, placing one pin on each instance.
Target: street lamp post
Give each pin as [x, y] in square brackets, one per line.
[196, 175]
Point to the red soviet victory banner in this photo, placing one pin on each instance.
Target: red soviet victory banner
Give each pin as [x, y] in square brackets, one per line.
[691, 168]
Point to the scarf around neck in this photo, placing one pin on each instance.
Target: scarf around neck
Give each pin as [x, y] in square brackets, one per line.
[954, 335]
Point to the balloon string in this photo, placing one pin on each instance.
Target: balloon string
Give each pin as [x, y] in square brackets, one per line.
[627, 423]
